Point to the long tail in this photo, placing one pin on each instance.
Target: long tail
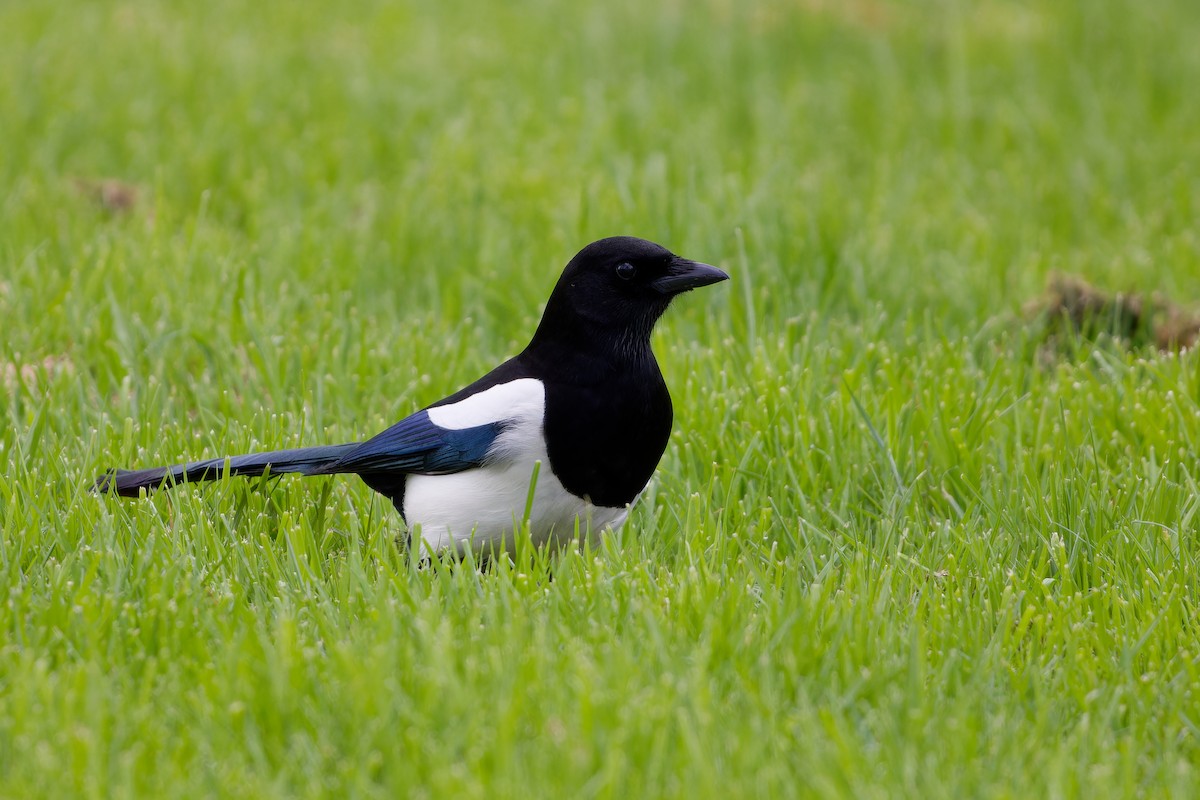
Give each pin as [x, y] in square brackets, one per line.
[305, 460]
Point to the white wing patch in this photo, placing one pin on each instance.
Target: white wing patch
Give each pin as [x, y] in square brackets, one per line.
[479, 508]
[519, 398]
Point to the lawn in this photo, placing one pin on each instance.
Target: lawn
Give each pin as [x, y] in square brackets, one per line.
[900, 545]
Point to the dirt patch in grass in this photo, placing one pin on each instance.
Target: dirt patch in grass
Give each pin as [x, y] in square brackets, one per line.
[114, 196]
[1071, 308]
[14, 375]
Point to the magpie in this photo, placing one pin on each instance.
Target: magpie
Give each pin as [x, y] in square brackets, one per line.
[570, 430]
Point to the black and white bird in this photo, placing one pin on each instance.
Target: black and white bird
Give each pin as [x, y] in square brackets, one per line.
[584, 406]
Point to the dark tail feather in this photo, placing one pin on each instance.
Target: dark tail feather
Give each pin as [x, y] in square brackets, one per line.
[305, 460]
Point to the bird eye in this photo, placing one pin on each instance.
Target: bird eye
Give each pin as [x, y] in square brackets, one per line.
[626, 271]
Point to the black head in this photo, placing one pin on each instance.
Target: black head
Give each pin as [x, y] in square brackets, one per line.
[617, 288]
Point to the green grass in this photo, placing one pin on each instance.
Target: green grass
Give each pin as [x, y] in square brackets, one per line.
[890, 550]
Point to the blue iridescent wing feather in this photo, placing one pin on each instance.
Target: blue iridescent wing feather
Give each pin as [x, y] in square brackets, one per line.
[416, 444]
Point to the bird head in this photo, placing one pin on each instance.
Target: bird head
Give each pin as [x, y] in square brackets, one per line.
[615, 289]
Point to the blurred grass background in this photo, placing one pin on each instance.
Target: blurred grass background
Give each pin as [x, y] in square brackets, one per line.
[890, 550]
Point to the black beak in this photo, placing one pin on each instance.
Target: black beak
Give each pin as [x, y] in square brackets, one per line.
[683, 275]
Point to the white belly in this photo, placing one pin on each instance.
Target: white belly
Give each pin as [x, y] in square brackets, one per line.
[479, 510]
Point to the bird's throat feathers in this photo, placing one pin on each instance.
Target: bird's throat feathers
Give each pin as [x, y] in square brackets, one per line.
[613, 331]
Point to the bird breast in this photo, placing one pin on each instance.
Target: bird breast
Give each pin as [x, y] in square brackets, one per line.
[480, 509]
